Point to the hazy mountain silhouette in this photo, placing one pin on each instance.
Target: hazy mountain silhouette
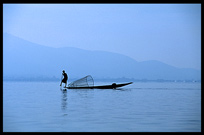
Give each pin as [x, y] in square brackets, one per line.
[22, 58]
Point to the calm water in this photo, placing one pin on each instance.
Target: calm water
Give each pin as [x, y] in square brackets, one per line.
[140, 107]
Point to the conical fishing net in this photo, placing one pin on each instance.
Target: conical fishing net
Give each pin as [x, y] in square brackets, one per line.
[87, 81]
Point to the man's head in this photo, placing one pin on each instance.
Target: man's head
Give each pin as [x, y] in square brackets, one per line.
[63, 71]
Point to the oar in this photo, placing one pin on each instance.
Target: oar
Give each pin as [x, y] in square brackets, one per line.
[61, 82]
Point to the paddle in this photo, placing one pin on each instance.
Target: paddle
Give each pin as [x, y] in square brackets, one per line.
[61, 81]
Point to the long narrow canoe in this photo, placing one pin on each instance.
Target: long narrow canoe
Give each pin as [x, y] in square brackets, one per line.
[113, 86]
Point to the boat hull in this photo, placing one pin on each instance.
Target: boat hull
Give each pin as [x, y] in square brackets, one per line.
[113, 86]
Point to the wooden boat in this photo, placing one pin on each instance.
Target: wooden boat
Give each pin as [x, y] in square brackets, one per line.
[113, 86]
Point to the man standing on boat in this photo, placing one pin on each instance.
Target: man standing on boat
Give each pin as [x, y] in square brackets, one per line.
[64, 80]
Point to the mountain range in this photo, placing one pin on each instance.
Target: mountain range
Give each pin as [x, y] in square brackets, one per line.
[22, 58]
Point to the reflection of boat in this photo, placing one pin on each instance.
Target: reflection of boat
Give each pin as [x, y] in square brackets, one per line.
[113, 86]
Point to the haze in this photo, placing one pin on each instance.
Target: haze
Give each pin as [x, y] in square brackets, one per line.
[170, 33]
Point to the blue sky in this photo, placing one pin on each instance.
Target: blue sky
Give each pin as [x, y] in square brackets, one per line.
[170, 33]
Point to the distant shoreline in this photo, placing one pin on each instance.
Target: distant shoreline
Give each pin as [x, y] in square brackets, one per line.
[95, 80]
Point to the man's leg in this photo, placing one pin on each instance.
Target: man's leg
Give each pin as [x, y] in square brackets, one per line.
[65, 84]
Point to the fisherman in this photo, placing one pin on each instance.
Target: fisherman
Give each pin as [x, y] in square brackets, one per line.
[64, 80]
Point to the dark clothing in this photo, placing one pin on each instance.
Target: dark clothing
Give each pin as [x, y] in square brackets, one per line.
[64, 80]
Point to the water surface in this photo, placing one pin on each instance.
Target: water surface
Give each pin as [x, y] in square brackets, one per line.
[139, 107]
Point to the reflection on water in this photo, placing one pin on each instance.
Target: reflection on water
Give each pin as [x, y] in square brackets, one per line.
[64, 100]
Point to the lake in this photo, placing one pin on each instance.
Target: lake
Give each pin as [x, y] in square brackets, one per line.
[139, 107]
